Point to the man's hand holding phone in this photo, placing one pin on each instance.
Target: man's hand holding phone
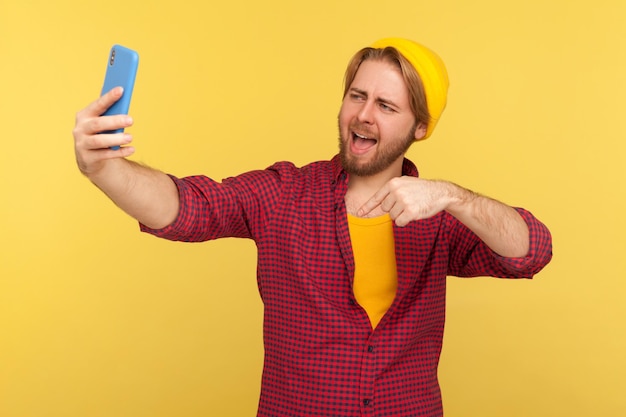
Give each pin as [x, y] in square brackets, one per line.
[99, 131]
[96, 135]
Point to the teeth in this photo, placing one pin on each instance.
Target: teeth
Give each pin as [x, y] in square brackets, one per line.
[361, 136]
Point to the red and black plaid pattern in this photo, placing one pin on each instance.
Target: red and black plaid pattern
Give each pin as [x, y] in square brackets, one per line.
[321, 356]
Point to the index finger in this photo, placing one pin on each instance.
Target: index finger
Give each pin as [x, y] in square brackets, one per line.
[103, 102]
[375, 201]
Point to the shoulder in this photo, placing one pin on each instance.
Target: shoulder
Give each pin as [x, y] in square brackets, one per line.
[310, 170]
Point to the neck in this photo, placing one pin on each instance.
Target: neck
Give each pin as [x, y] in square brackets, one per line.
[372, 183]
[362, 188]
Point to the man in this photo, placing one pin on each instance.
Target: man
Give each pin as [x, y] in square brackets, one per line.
[353, 252]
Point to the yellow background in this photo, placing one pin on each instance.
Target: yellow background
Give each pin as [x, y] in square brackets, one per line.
[97, 319]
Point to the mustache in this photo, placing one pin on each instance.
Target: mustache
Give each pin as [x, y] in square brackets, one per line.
[362, 129]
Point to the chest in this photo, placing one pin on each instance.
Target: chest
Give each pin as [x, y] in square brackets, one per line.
[308, 249]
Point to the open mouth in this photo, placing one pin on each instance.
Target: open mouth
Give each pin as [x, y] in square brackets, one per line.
[361, 142]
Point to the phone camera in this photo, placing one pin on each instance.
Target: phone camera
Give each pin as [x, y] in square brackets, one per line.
[112, 60]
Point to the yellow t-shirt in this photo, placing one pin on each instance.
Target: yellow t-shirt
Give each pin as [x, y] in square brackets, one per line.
[375, 275]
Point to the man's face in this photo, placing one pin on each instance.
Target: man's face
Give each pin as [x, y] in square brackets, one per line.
[376, 125]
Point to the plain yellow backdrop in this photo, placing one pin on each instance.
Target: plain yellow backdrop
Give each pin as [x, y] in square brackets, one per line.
[97, 319]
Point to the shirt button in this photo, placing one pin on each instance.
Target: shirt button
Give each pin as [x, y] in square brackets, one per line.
[367, 402]
[370, 349]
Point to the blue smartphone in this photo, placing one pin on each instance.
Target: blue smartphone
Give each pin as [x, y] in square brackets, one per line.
[121, 71]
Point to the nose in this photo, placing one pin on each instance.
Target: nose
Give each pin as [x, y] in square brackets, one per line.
[366, 112]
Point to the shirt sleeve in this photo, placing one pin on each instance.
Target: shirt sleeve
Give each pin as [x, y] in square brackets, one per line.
[236, 207]
[470, 257]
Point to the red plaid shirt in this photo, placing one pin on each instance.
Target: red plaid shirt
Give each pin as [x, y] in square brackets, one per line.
[321, 356]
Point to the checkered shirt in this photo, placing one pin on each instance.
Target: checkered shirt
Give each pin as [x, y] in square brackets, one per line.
[321, 356]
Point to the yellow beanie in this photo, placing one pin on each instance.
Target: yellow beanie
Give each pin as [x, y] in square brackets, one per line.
[431, 70]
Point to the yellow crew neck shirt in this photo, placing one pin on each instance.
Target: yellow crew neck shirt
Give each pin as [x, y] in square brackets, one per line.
[375, 275]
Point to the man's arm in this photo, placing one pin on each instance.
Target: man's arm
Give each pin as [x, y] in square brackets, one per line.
[407, 199]
[148, 195]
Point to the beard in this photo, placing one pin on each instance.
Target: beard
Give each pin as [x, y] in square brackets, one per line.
[383, 158]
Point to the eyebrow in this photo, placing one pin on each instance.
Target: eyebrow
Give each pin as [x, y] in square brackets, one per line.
[379, 99]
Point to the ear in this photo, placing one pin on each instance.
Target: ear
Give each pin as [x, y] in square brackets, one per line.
[420, 132]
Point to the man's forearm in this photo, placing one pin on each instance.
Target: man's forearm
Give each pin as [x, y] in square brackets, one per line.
[500, 226]
[148, 195]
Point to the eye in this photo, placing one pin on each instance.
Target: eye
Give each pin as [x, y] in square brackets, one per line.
[386, 108]
[357, 97]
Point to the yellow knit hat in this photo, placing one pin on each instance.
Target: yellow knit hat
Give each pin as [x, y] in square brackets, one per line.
[431, 70]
